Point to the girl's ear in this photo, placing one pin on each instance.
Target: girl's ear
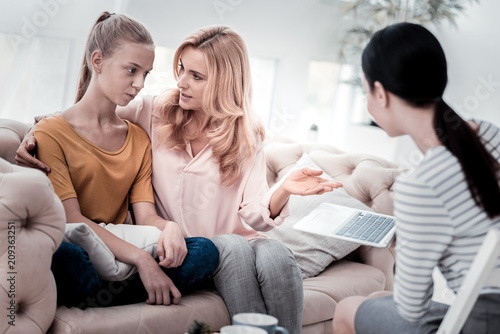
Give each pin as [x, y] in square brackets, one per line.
[96, 61]
[380, 94]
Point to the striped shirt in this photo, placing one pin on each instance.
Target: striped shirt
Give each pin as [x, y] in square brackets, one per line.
[438, 224]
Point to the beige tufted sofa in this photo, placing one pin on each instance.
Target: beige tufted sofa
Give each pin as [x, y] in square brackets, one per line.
[367, 178]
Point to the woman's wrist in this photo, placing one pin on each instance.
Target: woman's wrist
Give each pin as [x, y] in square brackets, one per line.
[278, 200]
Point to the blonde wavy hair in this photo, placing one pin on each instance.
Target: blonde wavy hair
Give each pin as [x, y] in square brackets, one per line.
[233, 129]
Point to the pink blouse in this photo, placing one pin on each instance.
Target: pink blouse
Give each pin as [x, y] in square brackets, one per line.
[188, 191]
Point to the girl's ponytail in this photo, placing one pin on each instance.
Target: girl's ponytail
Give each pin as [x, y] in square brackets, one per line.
[108, 33]
[85, 71]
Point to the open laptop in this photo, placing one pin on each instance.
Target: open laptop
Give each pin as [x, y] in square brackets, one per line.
[358, 226]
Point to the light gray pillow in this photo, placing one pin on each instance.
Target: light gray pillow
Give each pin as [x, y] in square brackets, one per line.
[105, 263]
[314, 252]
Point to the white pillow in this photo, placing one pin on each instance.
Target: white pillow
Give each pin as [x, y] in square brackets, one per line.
[314, 252]
[107, 266]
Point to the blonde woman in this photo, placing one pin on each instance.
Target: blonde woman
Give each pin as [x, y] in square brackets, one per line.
[209, 174]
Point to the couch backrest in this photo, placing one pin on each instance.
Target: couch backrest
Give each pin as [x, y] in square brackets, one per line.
[365, 177]
[11, 134]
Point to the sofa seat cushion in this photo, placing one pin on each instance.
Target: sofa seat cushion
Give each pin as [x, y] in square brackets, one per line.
[340, 280]
[202, 305]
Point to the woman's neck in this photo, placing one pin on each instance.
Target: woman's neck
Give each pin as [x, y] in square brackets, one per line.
[200, 122]
[420, 127]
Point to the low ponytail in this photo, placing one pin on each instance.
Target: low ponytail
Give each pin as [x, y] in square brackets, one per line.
[478, 165]
[108, 32]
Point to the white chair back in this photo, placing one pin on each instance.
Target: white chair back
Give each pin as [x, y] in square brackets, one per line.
[481, 274]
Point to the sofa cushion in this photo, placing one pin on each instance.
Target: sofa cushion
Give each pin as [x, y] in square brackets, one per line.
[313, 252]
[340, 280]
[202, 305]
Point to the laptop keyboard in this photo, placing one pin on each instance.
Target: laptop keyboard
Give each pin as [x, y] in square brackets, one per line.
[365, 226]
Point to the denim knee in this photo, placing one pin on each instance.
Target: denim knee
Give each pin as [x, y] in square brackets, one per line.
[200, 262]
[204, 252]
[76, 277]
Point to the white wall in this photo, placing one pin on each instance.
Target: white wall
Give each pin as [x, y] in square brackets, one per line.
[472, 49]
[67, 20]
[293, 31]
[473, 53]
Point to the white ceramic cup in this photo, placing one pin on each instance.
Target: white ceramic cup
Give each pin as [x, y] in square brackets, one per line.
[241, 329]
[264, 321]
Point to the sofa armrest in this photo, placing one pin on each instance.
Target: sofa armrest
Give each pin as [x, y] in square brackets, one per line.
[32, 223]
[11, 135]
[383, 259]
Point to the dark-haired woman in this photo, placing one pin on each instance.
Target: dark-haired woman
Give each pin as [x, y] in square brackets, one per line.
[445, 206]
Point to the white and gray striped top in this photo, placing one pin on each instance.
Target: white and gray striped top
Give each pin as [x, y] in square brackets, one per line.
[438, 224]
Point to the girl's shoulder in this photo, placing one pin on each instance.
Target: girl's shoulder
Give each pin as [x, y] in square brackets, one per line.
[52, 123]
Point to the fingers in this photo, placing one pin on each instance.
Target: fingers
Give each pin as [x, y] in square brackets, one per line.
[168, 258]
[311, 172]
[25, 158]
[176, 295]
[174, 253]
[151, 297]
[164, 294]
[160, 250]
[172, 262]
[332, 184]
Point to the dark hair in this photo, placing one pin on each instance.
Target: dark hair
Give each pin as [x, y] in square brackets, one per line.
[109, 31]
[409, 62]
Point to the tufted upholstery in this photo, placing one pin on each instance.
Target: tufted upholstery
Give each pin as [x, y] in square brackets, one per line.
[33, 218]
[367, 178]
[40, 231]
[12, 133]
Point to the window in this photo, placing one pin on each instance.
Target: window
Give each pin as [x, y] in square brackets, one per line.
[332, 104]
[34, 77]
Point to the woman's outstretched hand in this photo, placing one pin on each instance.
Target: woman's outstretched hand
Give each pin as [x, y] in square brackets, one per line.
[304, 181]
[307, 181]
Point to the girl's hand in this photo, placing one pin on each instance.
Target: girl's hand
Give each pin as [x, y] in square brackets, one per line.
[161, 290]
[171, 247]
[307, 181]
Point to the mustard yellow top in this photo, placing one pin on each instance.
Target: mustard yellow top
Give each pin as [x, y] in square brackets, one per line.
[104, 182]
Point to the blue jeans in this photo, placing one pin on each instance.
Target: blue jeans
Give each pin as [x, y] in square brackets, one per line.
[78, 283]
